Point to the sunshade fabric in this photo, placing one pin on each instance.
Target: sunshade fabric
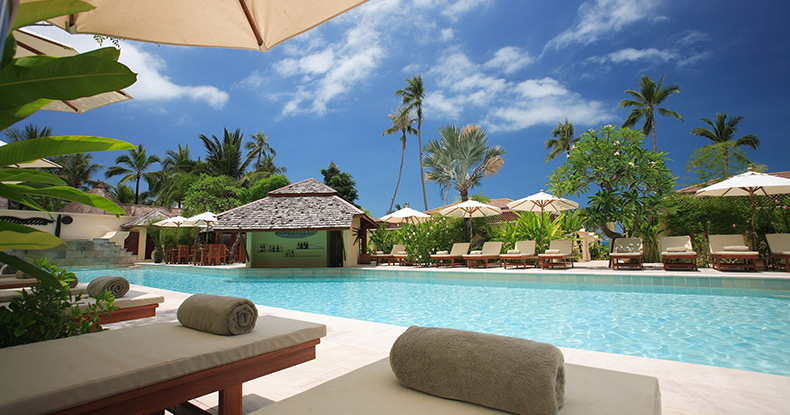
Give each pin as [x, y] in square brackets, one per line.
[406, 214]
[746, 184]
[234, 24]
[542, 202]
[32, 44]
[203, 219]
[174, 222]
[471, 209]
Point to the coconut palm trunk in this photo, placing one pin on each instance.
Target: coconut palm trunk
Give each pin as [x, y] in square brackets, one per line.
[419, 143]
[400, 171]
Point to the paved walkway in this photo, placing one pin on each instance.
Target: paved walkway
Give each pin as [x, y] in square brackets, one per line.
[686, 389]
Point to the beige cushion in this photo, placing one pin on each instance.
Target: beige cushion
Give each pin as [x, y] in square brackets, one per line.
[53, 375]
[401, 252]
[476, 253]
[379, 252]
[513, 251]
[374, 389]
[442, 252]
[683, 253]
[735, 248]
[10, 282]
[552, 251]
[9, 294]
[677, 249]
[133, 298]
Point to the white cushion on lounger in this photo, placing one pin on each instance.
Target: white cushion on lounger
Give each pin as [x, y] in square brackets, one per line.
[11, 293]
[442, 252]
[132, 298]
[513, 251]
[735, 248]
[58, 374]
[476, 253]
[374, 389]
[677, 249]
[676, 253]
[552, 251]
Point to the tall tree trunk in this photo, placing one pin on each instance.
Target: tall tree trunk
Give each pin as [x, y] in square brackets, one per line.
[467, 221]
[400, 172]
[419, 142]
[726, 163]
[137, 191]
[653, 127]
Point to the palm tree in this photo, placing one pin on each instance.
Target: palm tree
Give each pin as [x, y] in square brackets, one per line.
[177, 174]
[722, 136]
[564, 137]
[136, 162]
[646, 101]
[30, 131]
[463, 158]
[224, 157]
[259, 148]
[413, 95]
[402, 121]
[77, 169]
[123, 193]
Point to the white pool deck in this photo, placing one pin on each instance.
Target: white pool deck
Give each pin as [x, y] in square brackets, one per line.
[686, 389]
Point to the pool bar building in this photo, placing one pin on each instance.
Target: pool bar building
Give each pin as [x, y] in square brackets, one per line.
[302, 225]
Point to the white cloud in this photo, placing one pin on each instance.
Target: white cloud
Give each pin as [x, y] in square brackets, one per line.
[455, 9]
[597, 19]
[683, 51]
[632, 55]
[446, 34]
[152, 84]
[507, 105]
[509, 59]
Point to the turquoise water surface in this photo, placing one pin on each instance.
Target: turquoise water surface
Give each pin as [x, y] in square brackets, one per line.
[734, 331]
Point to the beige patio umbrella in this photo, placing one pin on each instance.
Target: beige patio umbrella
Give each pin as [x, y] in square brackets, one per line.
[748, 184]
[542, 202]
[470, 209]
[406, 214]
[174, 222]
[233, 24]
[34, 44]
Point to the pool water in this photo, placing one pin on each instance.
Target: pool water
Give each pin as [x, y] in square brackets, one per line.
[733, 331]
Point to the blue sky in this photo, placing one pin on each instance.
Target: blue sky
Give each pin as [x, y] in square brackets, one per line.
[514, 67]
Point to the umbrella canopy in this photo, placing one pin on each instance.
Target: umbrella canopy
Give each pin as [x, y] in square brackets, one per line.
[234, 24]
[33, 44]
[174, 222]
[406, 214]
[203, 219]
[541, 202]
[34, 164]
[748, 184]
[470, 209]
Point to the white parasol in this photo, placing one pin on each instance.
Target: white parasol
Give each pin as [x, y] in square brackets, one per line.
[406, 214]
[471, 209]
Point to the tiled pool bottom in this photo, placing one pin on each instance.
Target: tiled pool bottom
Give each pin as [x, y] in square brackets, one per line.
[742, 329]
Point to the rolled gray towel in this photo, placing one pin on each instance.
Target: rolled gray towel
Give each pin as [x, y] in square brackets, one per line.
[219, 315]
[505, 373]
[118, 286]
[8, 270]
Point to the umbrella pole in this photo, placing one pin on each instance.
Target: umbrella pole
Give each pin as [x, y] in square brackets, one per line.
[754, 229]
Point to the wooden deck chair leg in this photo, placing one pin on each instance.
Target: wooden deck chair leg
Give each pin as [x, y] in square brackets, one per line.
[230, 400]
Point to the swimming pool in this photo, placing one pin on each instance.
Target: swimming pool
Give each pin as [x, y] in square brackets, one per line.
[733, 331]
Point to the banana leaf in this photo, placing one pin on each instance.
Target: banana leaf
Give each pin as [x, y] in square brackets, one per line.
[15, 236]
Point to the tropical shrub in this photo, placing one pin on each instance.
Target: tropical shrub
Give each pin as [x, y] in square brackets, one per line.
[538, 227]
[425, 238]
[213, 194]
[261, 188]
[631, 181]
[381, 240]
[47, 312]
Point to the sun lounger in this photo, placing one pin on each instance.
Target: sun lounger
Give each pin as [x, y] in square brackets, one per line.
[374, 389]
[456, 255]
[560, 253]
[677, 252]
[626, 252]
[779, 248]
[526, 252]
[402, 257]
[388, 257]
[488, 255]
[733, 249]
[145, 369]
[8, 282]
[133, 305]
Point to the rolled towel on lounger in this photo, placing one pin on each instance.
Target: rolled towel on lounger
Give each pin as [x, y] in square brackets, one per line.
[552, 251]
[118, 286]
[513, 252]
[219, 315]
[8, 270]
[505, 373]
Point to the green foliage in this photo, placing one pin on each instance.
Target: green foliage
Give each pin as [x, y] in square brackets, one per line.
[212, 193]
[530, 226]
[650, 231]
[342, 182]
[48, 312]
[564, 137]
[631, 181]
[381, 240]
[722, 135]
[598, 251]
[423, 239]
[224, 157]
[646, 102]
[133, 167]
[262, 187]
[707, 162]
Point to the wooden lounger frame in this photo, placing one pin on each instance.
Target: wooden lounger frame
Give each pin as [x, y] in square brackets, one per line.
[745, 261]
[475, 260]
[227, 379]
[130, 313]
[692, 263]
[451, 260]
[627, 261]
[519, 260]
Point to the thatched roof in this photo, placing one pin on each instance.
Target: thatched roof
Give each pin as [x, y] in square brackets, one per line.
[130, 209]
[147, 219]
[306, 205]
